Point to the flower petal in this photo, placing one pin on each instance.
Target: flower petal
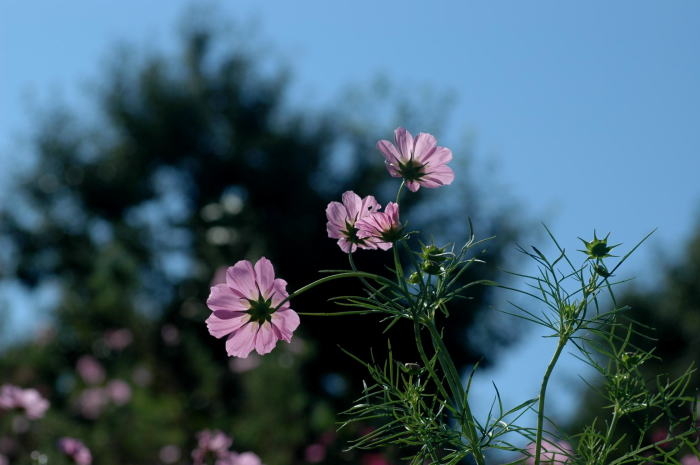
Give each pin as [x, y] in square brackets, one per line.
[353, 204]
[404, 141]
[285, 322]
[337, 215]
[439, 156]
[266, 339]
[222, 297]
[241, 278]
[223, 322]
[390, 152]
[242, 341]
[346, 246]
[439, 176]
[369, 206]
[413, 186]
[280, 293]
[424, 147]
[265, 276]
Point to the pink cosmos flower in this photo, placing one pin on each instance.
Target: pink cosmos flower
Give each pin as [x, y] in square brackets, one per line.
[118, 391]
[248, 458]
[342, 218]
[420, 161]
[28, 400]
[553, 453]
[92, 401]
[90, 369]
[215, 442]
[75, 450]
[245, 309]
[690, 459]
[381, 229]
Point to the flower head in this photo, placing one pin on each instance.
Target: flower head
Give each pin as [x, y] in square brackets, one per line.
[342, 219]
[27, 400]
[215, 442]
[245, 309]
[598, 248]
[75, 450]
[690, 459]
[381, 229]
[420, 161]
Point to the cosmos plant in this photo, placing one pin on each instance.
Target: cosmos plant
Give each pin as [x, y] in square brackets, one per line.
[424, 406]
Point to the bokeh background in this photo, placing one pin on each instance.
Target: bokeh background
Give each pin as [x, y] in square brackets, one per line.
[144, 145]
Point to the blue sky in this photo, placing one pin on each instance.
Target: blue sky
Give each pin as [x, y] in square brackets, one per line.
[589, 111]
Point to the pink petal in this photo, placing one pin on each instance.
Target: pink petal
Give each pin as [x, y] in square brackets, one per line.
[336, 214]
[242, 341]
[280, 293]
[353, 204]
[223, 297]
[241, 278]
[404, 141]
[223, 322]
[266, 339]
[440, 156]
[265, 276]
[413, 186]
[391, 154]
[439, 176]
[392, 213]
[286, 321]
[424, 147]
[369, 205]
[346, 246]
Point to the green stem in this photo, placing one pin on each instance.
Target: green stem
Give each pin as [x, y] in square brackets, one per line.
[543, 391]
[426, 361]
[398, 194]
[458, 393]
[349, 274]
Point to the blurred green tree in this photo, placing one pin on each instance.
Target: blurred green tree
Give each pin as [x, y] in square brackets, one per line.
[192, 164]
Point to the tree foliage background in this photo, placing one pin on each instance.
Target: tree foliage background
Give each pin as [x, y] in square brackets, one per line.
[190, 164]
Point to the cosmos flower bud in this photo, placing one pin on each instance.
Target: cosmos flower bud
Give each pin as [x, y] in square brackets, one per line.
[433, 257]
[598, 249]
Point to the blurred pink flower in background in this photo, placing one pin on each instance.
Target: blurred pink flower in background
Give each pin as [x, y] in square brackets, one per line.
[690, 459]
[375, 459]
[118, 339]
[381, 229]
[92, 401]
[315, 453]
[558, 452]
[75, 450]
[169, 454]
[211, 441]
[342, 218]
[244, 309]
[658, 436]
[3, 460]
[420, 161]
[170, 334]
[248, 458]
[90, 369]
[241, 365]
[29, 401]
[118, 391]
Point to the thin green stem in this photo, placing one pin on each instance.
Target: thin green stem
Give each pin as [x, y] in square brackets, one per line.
[349, 274]
[458, 394]
[398, 194]
[426, 360]
[543, 392]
